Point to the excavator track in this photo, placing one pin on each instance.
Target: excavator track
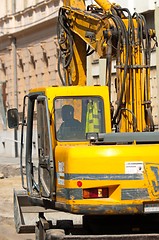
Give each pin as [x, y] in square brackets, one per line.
[60, 234]
[65, 229]
[110, 237]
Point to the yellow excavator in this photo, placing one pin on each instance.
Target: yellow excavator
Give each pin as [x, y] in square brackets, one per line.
[94, 159]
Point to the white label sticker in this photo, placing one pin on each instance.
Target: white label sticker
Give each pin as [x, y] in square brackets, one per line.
[60, 174]
[151, 209]
[60, 181]
[134, 167]
[61, 166]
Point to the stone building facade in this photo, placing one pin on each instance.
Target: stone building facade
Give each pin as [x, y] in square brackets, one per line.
[28, 54]
[28, 58]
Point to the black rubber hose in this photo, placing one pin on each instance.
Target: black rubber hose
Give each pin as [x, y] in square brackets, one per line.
[120, 23]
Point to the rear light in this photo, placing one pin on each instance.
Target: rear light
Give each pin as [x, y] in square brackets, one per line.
[79, 184]
[95, 193]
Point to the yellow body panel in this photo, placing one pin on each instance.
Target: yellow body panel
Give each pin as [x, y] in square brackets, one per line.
[106, 5]
[107, 166]
[129, 172]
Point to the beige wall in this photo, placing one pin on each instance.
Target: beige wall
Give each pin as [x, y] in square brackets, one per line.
[9, 7]
[36, 64]
[33, 24]
[36, 50]
[34, 30]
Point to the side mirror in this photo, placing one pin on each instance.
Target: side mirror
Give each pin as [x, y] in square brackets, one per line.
[13, 118]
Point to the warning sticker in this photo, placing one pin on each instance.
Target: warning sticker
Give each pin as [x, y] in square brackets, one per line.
[134, 167]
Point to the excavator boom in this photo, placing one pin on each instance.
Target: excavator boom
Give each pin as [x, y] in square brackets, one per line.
[122, 40]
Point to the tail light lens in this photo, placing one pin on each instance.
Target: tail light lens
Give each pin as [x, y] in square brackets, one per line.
[95, 193]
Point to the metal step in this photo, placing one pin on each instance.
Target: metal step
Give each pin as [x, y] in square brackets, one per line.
[25, 213]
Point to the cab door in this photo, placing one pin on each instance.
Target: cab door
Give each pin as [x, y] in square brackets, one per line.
[45, 152]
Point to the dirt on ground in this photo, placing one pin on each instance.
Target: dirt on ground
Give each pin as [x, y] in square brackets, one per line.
[9, 180]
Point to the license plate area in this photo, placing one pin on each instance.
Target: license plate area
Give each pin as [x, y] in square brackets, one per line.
[151, 207]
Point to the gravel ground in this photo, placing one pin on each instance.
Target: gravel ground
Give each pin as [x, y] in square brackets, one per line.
[9, 180]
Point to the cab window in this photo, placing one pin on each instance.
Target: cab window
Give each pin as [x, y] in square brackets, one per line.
[76, 116]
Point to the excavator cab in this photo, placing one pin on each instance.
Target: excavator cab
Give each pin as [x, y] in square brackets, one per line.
[52, 117]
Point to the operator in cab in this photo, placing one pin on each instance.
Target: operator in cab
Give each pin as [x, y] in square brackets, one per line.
[70, 128]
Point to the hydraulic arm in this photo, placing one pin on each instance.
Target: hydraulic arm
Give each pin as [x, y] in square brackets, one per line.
[117, 36]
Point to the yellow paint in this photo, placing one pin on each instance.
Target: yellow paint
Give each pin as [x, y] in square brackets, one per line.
[106, 5]
[107, 160]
